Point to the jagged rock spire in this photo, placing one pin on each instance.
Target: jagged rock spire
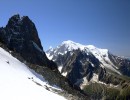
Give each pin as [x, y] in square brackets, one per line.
[20, 35]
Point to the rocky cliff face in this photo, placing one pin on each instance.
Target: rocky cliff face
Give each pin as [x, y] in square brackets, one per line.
[20, 35]
[77, 66]
[123, 64]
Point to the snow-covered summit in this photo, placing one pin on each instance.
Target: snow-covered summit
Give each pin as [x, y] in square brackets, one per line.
[68, 46]
[72, 45]
[86, 64]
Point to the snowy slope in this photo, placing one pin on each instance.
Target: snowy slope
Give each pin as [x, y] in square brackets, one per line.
[17, 82]
[100, 54]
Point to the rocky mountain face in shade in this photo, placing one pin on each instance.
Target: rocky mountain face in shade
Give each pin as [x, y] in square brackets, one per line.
[20, 35]
[86, 64]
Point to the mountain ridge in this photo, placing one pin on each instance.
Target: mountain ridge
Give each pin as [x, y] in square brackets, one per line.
[83, 64]
[70, 46]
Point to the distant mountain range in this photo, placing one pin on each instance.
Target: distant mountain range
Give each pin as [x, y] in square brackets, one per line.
[107, 60]
[84, 65]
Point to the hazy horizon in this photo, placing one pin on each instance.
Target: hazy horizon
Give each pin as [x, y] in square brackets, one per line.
[104, 24]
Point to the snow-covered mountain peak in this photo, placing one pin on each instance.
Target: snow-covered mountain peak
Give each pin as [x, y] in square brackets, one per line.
[72, 45]
[91, 47]
[68, 46]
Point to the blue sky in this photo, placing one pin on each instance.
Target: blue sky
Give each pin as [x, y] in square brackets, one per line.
[103, 23]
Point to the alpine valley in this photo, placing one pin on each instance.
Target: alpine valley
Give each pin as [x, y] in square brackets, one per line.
[97, 72]
[71, 71]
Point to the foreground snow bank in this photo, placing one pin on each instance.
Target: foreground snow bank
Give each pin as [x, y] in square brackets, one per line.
[18, 82]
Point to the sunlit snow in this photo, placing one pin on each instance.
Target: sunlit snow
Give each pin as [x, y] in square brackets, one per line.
[18, 82]
[100, 54]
